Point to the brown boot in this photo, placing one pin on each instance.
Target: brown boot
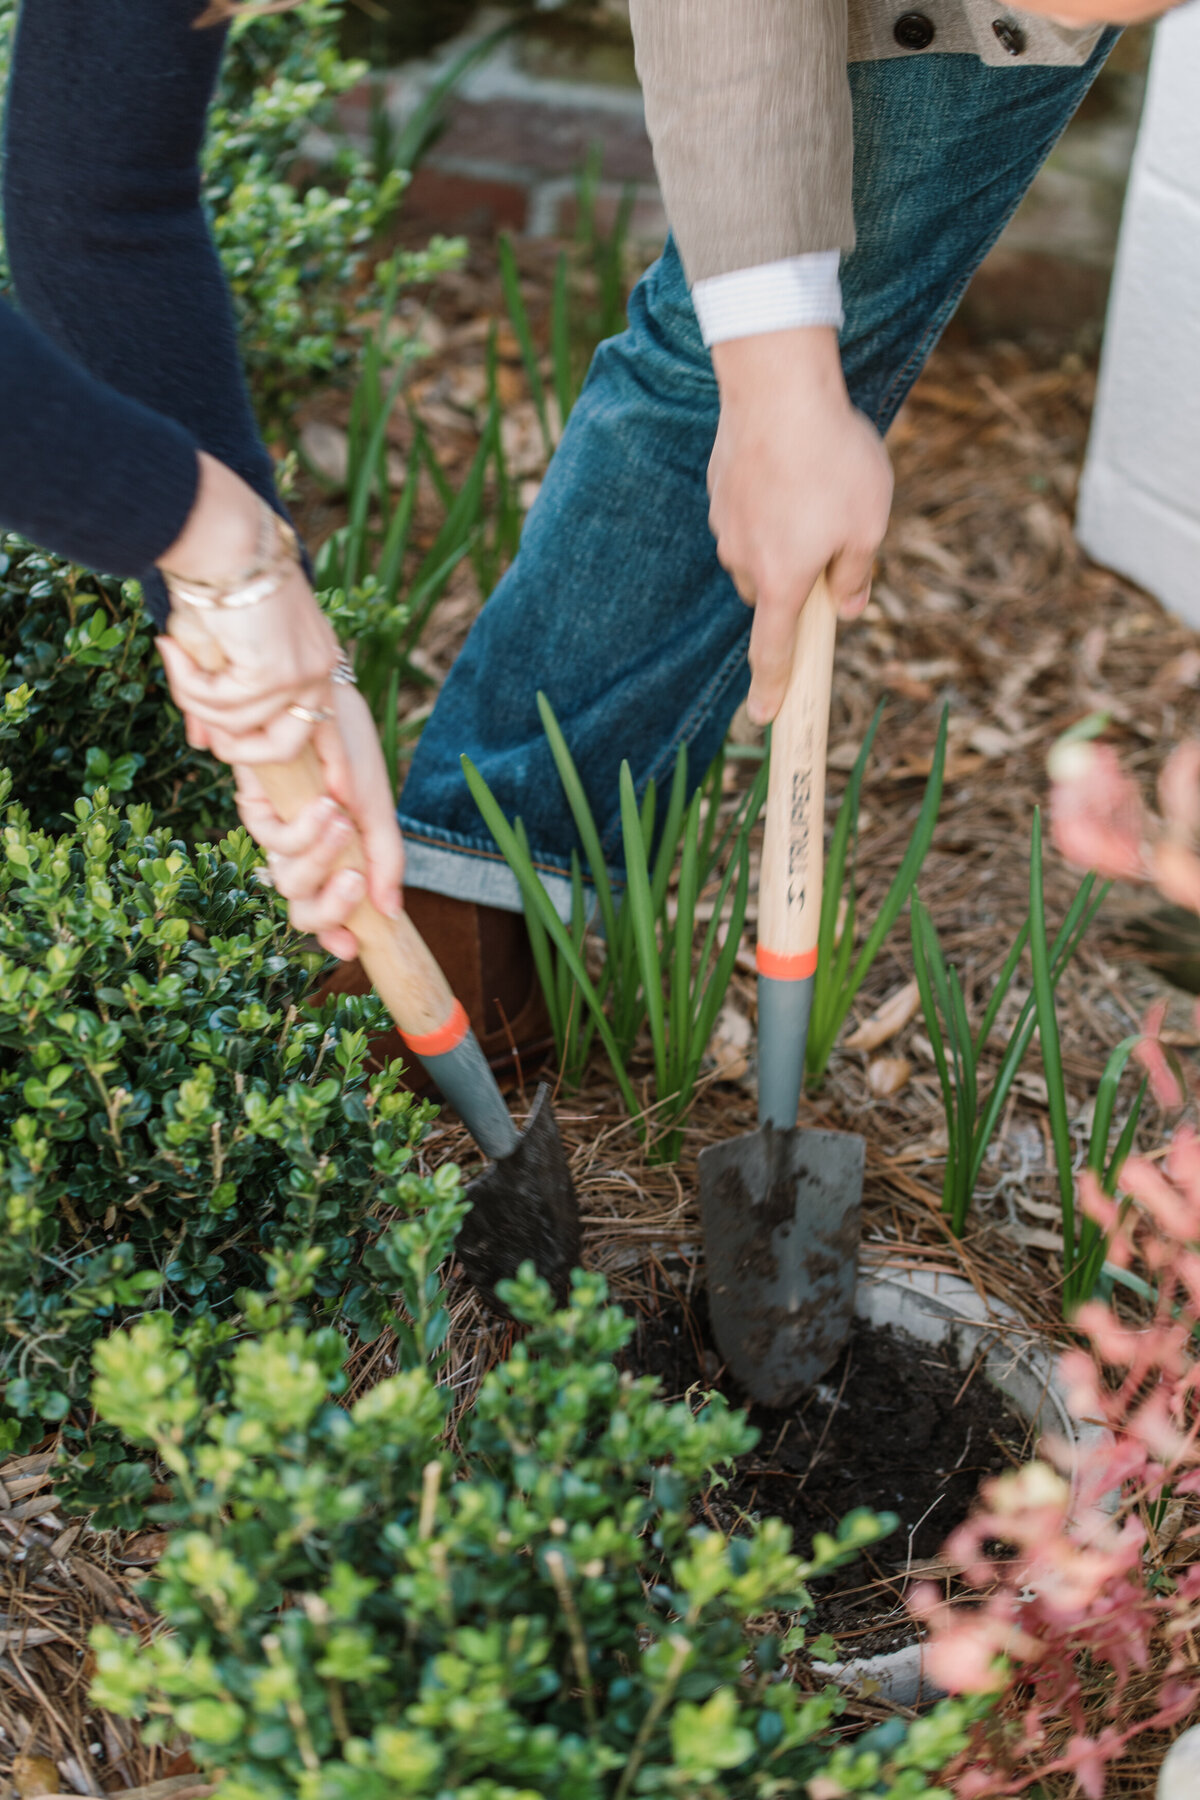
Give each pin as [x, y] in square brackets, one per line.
[487, 960]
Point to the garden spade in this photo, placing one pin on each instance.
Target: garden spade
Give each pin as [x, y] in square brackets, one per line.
[523, 1205]
[781, 1206]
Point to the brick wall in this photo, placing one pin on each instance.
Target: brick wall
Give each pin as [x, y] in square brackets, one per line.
[524, 123]
[1139, 509]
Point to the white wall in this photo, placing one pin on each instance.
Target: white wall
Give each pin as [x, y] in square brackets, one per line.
[1139, 503]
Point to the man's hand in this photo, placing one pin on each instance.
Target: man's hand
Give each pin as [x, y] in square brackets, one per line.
[799, 482]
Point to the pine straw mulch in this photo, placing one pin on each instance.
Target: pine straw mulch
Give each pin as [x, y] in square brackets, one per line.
[984, 603]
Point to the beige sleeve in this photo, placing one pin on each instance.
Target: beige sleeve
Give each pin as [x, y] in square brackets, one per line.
[748, 108]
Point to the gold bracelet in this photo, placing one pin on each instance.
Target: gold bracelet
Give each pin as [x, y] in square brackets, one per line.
[277, 557]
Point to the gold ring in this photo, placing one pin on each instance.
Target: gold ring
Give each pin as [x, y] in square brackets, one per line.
[311, 715]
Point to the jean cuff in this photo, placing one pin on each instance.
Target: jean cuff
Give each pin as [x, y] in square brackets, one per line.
[443, 863]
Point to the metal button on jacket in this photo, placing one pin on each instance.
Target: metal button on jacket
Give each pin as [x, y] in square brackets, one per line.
[1010, 35]
[913, 31]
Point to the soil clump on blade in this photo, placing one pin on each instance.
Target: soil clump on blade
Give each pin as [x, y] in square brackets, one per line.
[896, 1426]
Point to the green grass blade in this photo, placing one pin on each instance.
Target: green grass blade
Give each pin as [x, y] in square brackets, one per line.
[463, 511]
[577, 1040]
[906, 875]
[533, 891]
[510, 281]
[581, 812]
[712, 789]
[543, 956]
[395, 543]
[962, 1033]
[1047, 1018]
[745, 817]
[360, 499]
[923, 936]
[560, 341]
[832, 963]
[739, 856]
[642, 916]
[708, 948]
[845, 827]
[1003, 981]
[1079, 916]
[389, 727]
[427, 121]
[717, 986]
[1124, 1147]
[1106, 1100]
[686, 895]
[1090, 1266]
[586, 186]
[648, 815]
[668, 849]
[610, 267]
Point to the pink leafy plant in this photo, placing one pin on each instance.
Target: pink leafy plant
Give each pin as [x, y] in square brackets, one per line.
[1078, 1588]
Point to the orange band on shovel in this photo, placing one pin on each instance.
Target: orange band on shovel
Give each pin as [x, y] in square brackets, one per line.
[447, 1037]
[785, 968]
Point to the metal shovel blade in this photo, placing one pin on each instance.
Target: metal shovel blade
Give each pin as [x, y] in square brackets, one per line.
[523, 1209]
[781, 1213]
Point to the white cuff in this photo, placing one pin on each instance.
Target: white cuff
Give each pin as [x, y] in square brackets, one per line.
[800, 290]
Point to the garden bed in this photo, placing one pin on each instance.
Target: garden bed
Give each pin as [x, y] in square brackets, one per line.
[984, 602]
[894, 1426]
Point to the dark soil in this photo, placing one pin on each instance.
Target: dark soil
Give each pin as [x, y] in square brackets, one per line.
[896, 1426]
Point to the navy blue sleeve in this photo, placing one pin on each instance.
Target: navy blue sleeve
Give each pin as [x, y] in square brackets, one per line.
[124, 359]
[85, 471]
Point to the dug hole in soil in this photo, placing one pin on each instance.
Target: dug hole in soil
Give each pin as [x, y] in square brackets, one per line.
[895, 1426]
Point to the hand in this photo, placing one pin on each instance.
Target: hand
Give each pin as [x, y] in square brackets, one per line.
[303, 854]
[277, 653]
[799, 482]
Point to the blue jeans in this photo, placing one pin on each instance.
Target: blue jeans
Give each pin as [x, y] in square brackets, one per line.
[616, 606]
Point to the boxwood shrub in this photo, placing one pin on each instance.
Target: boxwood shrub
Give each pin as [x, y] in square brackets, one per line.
[363, 1605]
[85, 701]
[170, 1113]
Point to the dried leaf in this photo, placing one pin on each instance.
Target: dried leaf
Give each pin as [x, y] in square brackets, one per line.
[913, 768]
[147, 1547]
[887, 1019]
[887, 1075]
[730, 1044]
[327, 448]
[521, 440]
[35, 1776]
[898, 678]
[991, 742]
[843, 756]
[1182, 671]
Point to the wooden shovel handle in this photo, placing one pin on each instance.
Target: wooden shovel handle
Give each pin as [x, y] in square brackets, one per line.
[790, 885]
[393, 952]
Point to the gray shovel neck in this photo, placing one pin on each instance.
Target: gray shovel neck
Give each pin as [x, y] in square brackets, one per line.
[783, 1014]
[465, 1080]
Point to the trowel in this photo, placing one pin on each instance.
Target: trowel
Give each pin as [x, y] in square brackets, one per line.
[781, 1207]
[524, 1205]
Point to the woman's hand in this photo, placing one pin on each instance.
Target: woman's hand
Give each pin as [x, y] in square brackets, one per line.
[277, 653]
[304, 853]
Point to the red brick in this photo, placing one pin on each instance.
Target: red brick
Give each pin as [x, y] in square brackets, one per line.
[440, 201]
